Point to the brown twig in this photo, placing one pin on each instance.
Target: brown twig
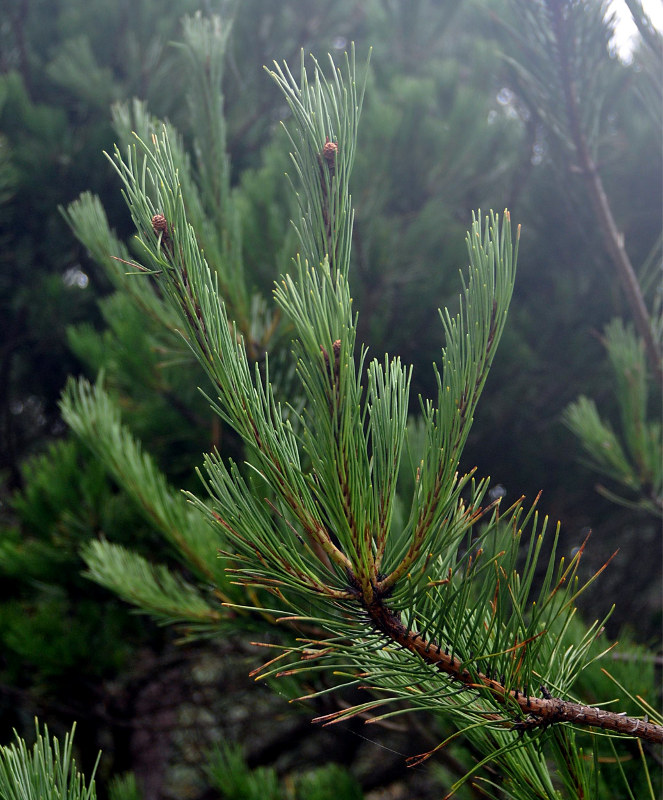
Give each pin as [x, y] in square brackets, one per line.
[539, 711]
[614, 240]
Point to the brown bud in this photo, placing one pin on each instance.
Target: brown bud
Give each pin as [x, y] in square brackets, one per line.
[332, 368]
[328, 155]
[160, 225]
[337, 358]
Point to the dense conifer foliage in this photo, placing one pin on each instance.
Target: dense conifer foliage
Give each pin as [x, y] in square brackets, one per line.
[380, 212]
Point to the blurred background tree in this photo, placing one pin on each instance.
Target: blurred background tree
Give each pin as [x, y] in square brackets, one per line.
[447, 126]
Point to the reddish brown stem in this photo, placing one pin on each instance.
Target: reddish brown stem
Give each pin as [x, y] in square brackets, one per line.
[539, 710]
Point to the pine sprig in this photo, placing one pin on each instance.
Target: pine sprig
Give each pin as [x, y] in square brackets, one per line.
[471, 339]
[633, 459]
[91, 414]
[326, 118]
[320, 534]
[89, 223]
[47, 772]
[152, 588]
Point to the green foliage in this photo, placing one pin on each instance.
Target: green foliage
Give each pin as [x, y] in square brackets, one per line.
[550, 357]
[52, 620]
[91, 413]
[50, 625]
[124, 787]
[634, 461]
[147, 360]
[58, 73]
[326, 782]
[438, 139]
[562, 69]
[232, 778]
[48, 772]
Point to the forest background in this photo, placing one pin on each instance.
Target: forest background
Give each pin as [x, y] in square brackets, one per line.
[445, 130]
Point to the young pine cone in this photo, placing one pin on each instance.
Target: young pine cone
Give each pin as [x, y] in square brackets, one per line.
[160, 225]
[328, 156]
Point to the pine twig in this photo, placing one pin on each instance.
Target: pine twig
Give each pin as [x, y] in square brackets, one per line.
[613, 238]
[539, 711]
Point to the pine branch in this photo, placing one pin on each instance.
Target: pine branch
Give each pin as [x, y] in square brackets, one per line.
[613, 239]
[502, 695]
[434, 611]
[539, 711]
[561, 46]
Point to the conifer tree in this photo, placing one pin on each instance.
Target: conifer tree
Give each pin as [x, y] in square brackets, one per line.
[428, 597]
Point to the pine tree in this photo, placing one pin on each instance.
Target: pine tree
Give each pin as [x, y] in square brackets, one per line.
[436, 604]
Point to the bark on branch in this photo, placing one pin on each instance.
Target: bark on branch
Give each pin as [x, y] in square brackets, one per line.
[539, 711]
